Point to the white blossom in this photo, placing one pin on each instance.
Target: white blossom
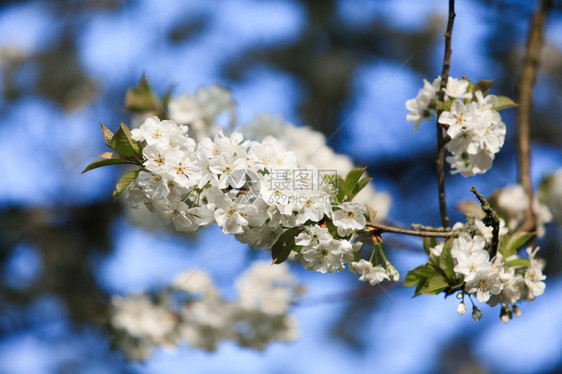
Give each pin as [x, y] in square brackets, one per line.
[327, 258]
[484, 284]
[350, 216]
[457, 88]
[369, 273]
[418, 107]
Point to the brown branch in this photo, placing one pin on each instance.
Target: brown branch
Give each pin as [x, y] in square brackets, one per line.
[491, 220]
[380, 229]
[441, 142]
[524, 92]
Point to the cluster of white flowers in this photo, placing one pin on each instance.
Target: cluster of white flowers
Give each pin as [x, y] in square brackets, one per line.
[254, 190]
[474, 126]
[310, 147]
[496, 280]
[192, 311]
[369, 273]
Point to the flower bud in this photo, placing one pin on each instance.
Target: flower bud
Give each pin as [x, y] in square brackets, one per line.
[460, 295]
[392, 273]
[461, 308]
[516, 310]
[505, 314]
[476, 314]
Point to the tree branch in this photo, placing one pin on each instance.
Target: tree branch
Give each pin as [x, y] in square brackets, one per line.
[491, 220]
[524, 92]
[440, 161]
[380, 228]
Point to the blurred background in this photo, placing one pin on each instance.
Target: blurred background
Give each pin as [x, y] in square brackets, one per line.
[66, 247]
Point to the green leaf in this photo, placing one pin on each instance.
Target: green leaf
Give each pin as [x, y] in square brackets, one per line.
[509, 244]
[352, 178]
[518, 263]
[141, 98]
[340, 188]
[429, 243]
[421, 287]
[123, 142]
[104, 162]
[107, 134]
[359, 186]
[484, 86]
[434, 260]
[505, 102]
[110, 156]
[124, 182]
[435, 285]
[446, 262]
[284, 245]
[421, 273]
[134, 144]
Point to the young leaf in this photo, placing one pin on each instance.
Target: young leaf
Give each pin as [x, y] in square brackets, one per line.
[359, 186]
[109, 156]
[421, 273]
[107, 134]
[484, 86]
[123, 143]
[422, 286]
[284, 245]
[351, 180]
[340, 188]
[446, 262]
[505, 102]
[141, 98]
[124, 182]
[435, 284]
[509, 244]
[134, 144]
[104, 162]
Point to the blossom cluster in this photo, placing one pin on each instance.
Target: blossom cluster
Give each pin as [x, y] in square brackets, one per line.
[470, 119]
[201, 114]
[278, 187]
[192, 311]
[503, 279]
[310, 147]
[253, 190]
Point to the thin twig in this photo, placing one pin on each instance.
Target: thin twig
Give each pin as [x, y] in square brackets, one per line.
[440, 161]
[491, 219]
[380, 228]
[524, 92]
